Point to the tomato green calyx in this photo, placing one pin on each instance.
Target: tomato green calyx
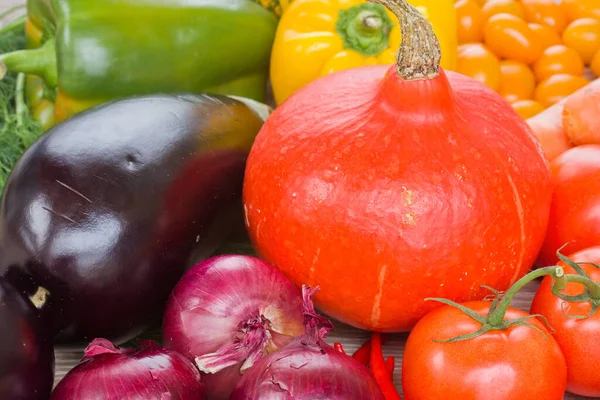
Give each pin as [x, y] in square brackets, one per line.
[494, 320]
[591, 289]
[365, 28]
[420, 53]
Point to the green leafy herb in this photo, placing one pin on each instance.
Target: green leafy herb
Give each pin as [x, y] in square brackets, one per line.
[17, 130]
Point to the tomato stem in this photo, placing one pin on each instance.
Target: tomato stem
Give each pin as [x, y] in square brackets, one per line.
[496, 317]
[420, 54]
[494, 320]
[592, 289]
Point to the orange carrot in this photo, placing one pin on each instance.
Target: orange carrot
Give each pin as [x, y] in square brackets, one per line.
[548, 128]
[581, 115]
[573, 121]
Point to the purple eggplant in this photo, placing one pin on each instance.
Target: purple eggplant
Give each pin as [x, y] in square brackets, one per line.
[26, 351]
[108, 209]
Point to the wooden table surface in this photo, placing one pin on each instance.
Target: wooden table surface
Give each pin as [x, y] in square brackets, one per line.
[350, 338]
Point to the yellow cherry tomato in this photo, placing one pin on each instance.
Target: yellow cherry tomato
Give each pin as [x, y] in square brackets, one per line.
[469, 20]
[558, 59]
[595, 64]
[527, 108]
[545, 35]
[493, 7]
[517, 81]
[545, 12]
[509, 37]
[576, 9]
[479, 2]
[583, 35]
[478, 62]
[557, 87]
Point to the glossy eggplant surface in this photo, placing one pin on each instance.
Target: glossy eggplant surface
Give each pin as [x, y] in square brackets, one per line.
[26, 351]
[108, 209]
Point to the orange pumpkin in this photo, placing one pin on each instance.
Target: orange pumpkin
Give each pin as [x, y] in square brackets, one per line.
[385, 185]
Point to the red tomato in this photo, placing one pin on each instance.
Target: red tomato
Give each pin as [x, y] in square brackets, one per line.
[574, 216]
[517, 363]
[578, 338]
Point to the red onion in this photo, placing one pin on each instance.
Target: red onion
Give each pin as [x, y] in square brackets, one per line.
[149, 372]
[226, 313]
[308, 368]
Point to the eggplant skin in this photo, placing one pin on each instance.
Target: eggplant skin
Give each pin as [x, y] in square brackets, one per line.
[109, 208]
[26, 351]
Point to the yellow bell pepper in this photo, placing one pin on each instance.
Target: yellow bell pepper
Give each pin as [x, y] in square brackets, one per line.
[317, 37]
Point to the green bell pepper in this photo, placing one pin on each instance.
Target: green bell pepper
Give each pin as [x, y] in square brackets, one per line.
[93, 51]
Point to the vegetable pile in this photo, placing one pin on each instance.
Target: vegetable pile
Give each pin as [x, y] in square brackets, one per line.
[17, 128]
[532, 52]
[395, 170]
[393, 184]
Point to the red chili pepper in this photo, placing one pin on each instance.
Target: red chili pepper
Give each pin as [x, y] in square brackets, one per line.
[339, 347]
[363, 354]
[382, 376]
[390, 364]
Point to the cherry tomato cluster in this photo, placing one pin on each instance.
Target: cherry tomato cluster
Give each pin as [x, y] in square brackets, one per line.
[532, 52]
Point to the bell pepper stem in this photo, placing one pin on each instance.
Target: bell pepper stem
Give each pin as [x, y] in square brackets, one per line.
[365, 28]
[420, 53]
[40, 61]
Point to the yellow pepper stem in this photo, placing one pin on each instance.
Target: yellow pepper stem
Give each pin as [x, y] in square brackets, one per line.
[365, 28]
[420, 54]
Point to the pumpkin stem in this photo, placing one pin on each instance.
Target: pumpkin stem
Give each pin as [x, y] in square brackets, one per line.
[419, 54]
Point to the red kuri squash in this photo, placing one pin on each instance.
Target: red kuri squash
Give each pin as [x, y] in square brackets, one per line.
[388, 185]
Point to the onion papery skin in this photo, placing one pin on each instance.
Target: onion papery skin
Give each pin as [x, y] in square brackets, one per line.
[149, 372]
[26, 351]
[213, 302]
[308, 368]
[302, 372]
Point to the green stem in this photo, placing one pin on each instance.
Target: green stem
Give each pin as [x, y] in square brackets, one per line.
[20, 107]
[494, 320]
[420, 54]
[17, 23]
[365, 28]
[592, 287]
[496, 317]
[41, 62]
